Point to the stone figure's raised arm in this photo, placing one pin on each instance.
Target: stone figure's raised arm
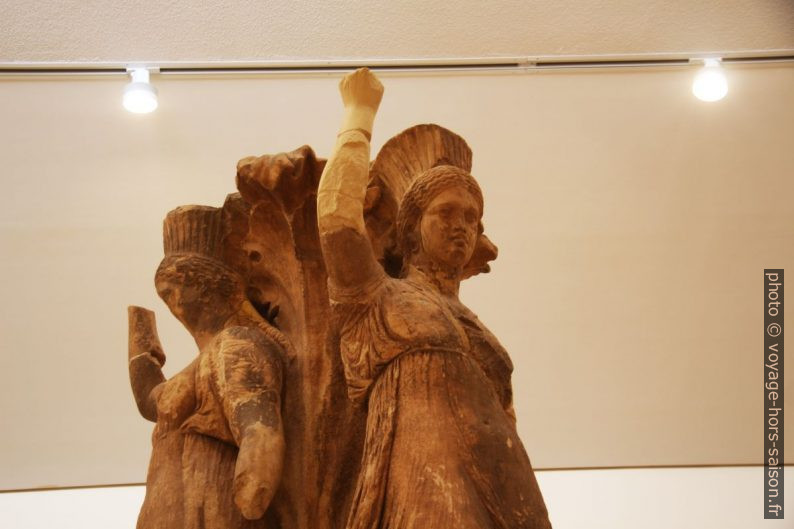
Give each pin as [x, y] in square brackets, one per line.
[350, 262]
[146, 358]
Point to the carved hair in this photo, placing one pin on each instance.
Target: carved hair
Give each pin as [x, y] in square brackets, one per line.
[422, 191]
[193, 245]
[208, 275]
[198, 271]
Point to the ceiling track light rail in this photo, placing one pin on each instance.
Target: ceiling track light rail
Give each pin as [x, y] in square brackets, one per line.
[405, 65]
[140, 96]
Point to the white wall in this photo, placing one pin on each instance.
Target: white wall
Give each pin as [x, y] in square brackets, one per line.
[633, 223]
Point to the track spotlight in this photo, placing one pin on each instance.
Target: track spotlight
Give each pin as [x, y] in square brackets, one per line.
[140, 96]
[710, 83]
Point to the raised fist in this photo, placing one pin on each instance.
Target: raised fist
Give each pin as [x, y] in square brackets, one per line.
[361, 89]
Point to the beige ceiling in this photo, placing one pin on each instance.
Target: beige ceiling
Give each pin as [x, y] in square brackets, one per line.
[251, 30]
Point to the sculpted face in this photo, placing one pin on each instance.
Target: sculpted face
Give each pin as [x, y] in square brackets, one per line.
[200, 299]
[184, 301]
[449, 227]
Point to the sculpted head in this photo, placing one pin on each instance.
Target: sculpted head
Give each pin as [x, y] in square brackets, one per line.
[439, 221]
[201, 292]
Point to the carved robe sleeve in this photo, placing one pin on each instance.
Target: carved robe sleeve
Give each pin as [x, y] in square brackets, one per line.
[247, 377]
[352, 267]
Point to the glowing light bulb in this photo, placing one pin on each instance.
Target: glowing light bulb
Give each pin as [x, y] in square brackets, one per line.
[710, 83]
[140, 96]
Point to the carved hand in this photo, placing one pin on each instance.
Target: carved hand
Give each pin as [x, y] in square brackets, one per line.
[361, 94]
[361, 89]
[143, 336]
[145, 358]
